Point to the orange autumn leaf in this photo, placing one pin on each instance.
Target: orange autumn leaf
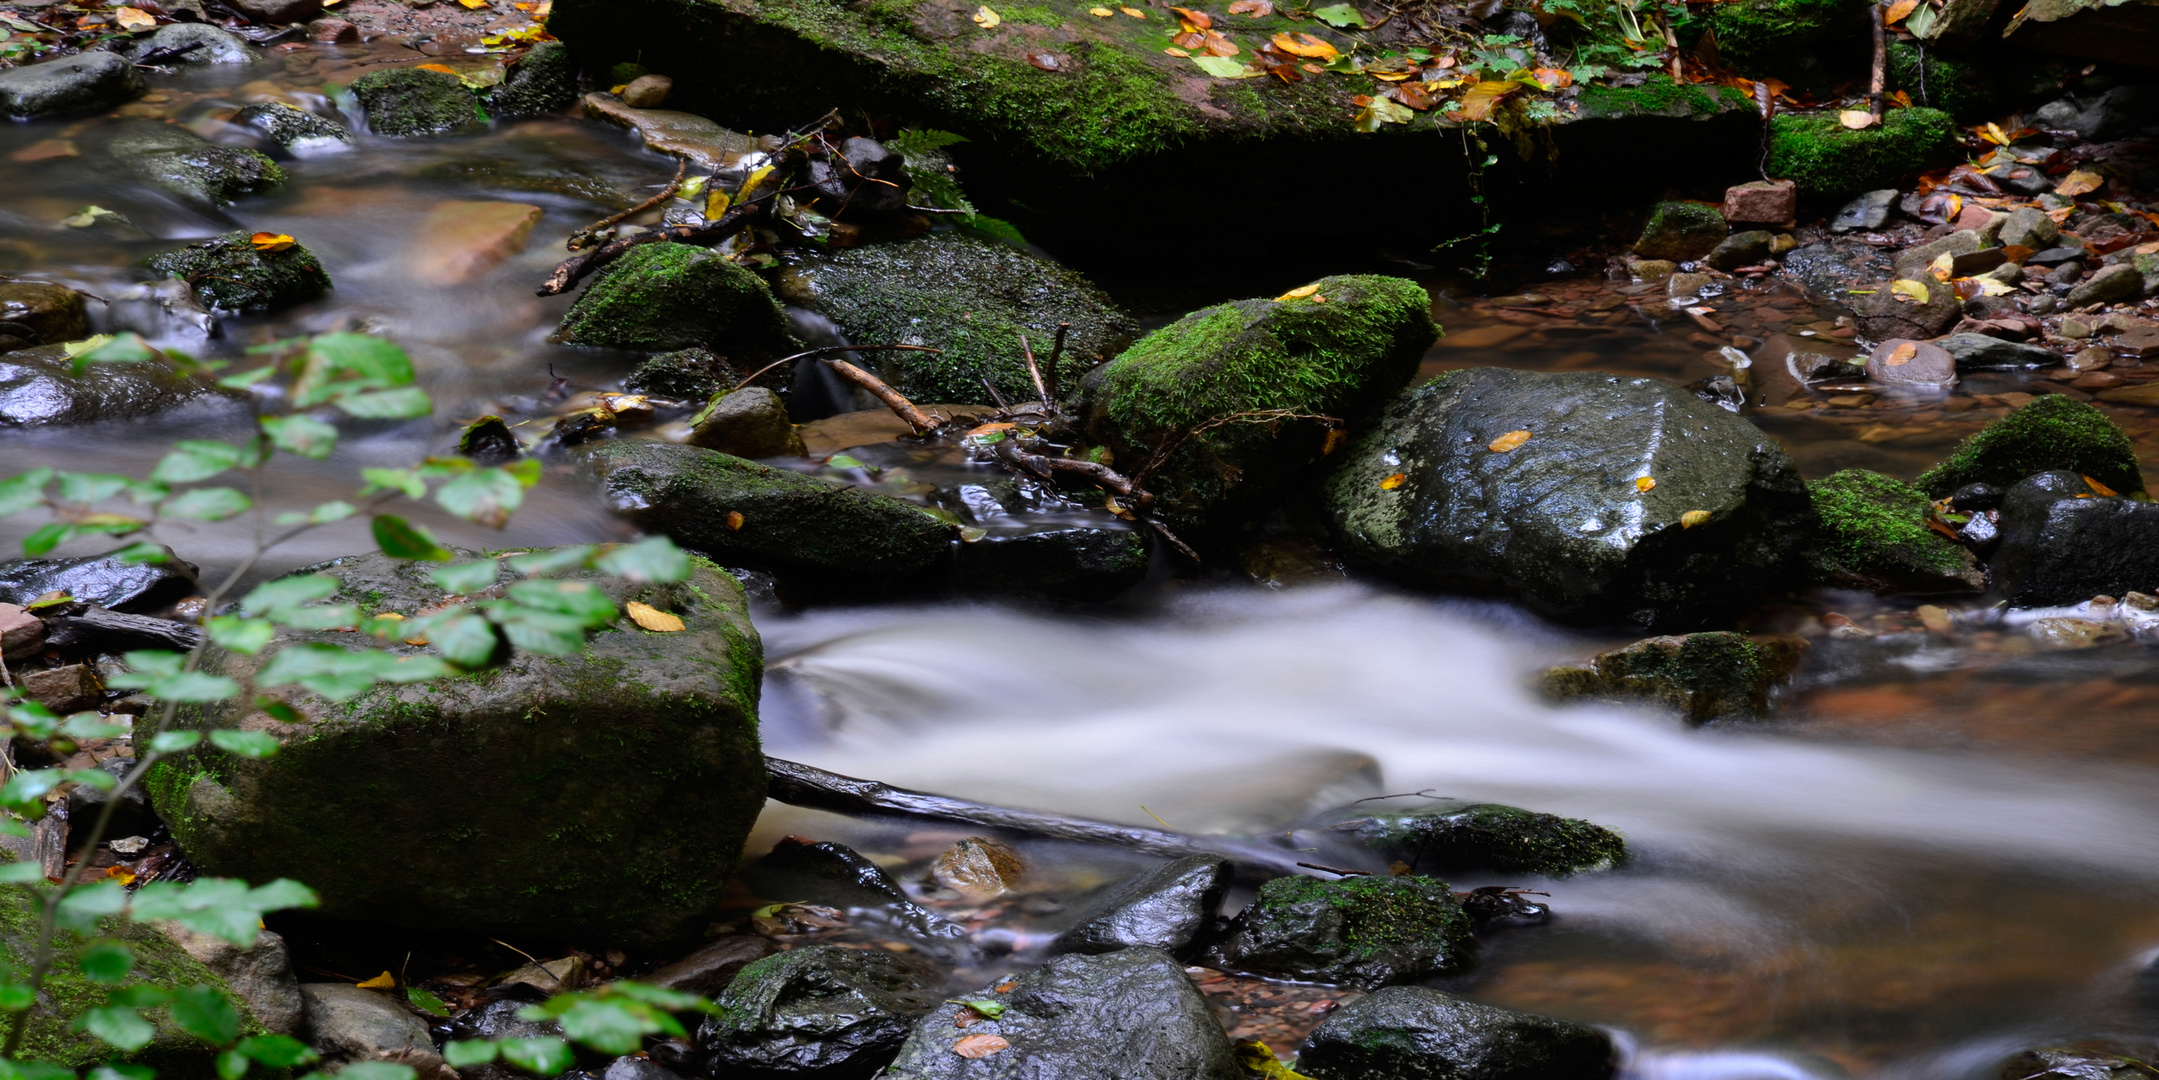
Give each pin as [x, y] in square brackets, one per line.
[1993, 133]
[1257, 9]
[1508, 441]
[2080, 182]
[1199, 20]
[1898, 11]
[267, 242]
[1176, 52]
[1191, 40]
[979, 1046]
[1134, 12]
[1305, 45]
[1554, 78]
[444, 68]
[1692, 518]
[1478, 103]
[1644, 483]
[1217, 45]
[734, 520]
[2098, 487]
[1394, 481]
[131, 18]
[1298, 293]
[1902, 354]
[652, 618]
[384, 981]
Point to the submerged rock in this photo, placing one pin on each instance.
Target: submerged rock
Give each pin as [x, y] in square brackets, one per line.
[683, 375]
[620, 782]
[1165, 908]
[822, 1011]
[1418, 1033]
[348, 1024]
[1830, 160]
[1976, 352]
[85, 82]
[970, 298]
[1362, 932]
[1872, 534]
[40, 386]
[229, 273]
[179, 159]
[1126, 1015]
[2052, 432]
[1681, 232]
[2062, 543]
[1715, 675]
[1078, 562]
[673, 296]
[41, 313]
[1593, 497]
[1456, 835]
[2074, 1063]
[543, 81]
[189, 45]
[404, 102]
[827, 873]
[715, 964]
[1258, 371]
[750, 423]
[292, 127]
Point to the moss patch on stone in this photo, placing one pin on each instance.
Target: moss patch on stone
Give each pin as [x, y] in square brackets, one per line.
[405, 102]
[1755, 33]
[1681, 232]
[1715, 675]
[2053, 432]
[1488, 836]
[1829, 160]
[1365, 932]
[673, 296]
[543, 81]
[228, 273]
[1660, 96]
[1873, 534]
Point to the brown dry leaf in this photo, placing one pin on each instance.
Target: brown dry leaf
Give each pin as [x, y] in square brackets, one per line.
[1902, 354]
[979, 1046]
[2098, 487]
[1190, 40]
[2017, 253]
[1644, 483]
[1257, 9]
[1898, 11]
[1692, 518]
[987, 19]
[1335, 440]
[1478, 103]
[988, 428]
[1045, 61]
[1857, 119]
[1217, 45]
[1200, 20]
[1394, 481]
[1415, 95]
[383, 981]
[734, 520]
[1176, 52]
[1305, 45]
[1508, 441]
[134, 19]
[2080, 182]
[271, 241]
[652, 618]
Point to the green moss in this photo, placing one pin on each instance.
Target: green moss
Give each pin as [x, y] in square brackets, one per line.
[1660, 96]
[544, 81]
[1681, 231]
[2053, 432]
[1489, 836]
[1716, 675]
[1874, 529]
[1754, 33]
[672, 296]
[228, 273]
[1829, 160]
[1964, 90]
[1365, 931]
[404, 102]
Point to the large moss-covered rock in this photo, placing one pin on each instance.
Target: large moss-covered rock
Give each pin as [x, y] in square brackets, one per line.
[822, 1011]
[185, 162]
[1760, 35]
[1828, 160]
[787, 522]
[1592, 497]
[1715, 675]
[1418, 1033]
[2063, 543]
[2053, 432]
[1253, 374]
[1873, 535]
[1126, 1015]
[404, 102]
[40, 386]
[674, 296]
[1362, 932]
[604, 795]
[1455, 835]
[543, 81]
[42, 313]
[970, 298]
[229, 273]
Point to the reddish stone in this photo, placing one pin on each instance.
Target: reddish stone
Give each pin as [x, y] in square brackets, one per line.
[461, 241]
[1763, 202]
[21, 633]
[332, 31]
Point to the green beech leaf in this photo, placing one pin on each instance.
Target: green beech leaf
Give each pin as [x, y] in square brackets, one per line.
[286, 593]
[463, 636]
[46, 538]
[545, 1055]
[223, 907]
[172, 742]
[425, 1001]
[23, 491]
[408, 481]
[334, 510]
[654, 558]
[118, 1025]
[540, 563]
[191, 460]
[206, 504]
[400, 539]
[241, 635]
[460, 1053]
[106, 961]
[466, 578]
[205, 1013]
[544, 632]
[253, 744]
[487, 496]
[342, 674]
[403, 403]
[276, 1051]
[581, 600]
[340, 365]
[143, 552]
[83, 727]
[302, 435]
[87, 488]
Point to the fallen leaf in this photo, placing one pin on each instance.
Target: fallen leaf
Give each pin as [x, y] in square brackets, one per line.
[1177, 52]
[448, 70]
[1902, 354]
[734, 520]
[475, 5]
[1692, 518]
[1394, 481]
[1478, 103]
[384, 981]
[987, 1007]
[134, 19]
[1553, 78]
[987, 19]
[1644, 483]
[1335, 440]
[2079, 182]
[2098, 487]
[1993, 133]
[1222, 67]
[1305, 45]
[1134, 12]
[716, 204]
[1943, 267]
[1045, 61]
[1898, 11]
[1257, 9]
[652, 618]
[1339, 15]
[1414, 95]
[1298, 293]
[1199, 20]
[271, 241]
[1508, 441]
[1260, 1061]
[1217, 45]
[1936, 619]
[1857, 119]
[1915, 291]
[1377, 111]
[1190, 39]
[979, 1046]
[1100, 12]
[121, 874]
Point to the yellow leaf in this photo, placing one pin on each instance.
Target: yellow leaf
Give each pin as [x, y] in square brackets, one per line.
[1174, 51]
[1940, 268]
[1298, 293]
[474, 4]
[652, 618]
[1305, 45]
[987, 19]
[121, 874]
[2079, 182]
[1478, 103]
[1857, 119]
[1993, 133]
[716, 204]
[1508, 441]
[1100, 12]
[271, 241]
[1915, 291]
[2098, 487]
[1692, 518]
[734, 520]
[1644, 483]
[1260, 1061]
[383, 981]
[1395, 481]
[1134, 12]
[444, 68]
[134, 19]
[757, 177]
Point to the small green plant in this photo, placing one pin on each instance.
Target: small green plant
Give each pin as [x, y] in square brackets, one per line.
[361, 377]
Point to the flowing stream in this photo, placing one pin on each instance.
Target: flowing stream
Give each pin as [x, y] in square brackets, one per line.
[1934, 859]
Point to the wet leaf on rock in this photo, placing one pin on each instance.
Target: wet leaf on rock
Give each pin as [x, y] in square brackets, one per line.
[652, 618]
[1508, 441]
[1260, 1061]
[1644, 483]
[132, 18]
[1914, 291]
[1305, 45]
[1222, 67]
[270, 242]
[1692, 518]
[987, 19]
[1902, 354]
[1257, 9]
[1394, 481]
[975, 1046]
[1339, 15]
[384, 981]
[2080, 182]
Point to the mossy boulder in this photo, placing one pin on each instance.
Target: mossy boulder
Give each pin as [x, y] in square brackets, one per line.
[230, 273]
[2053, 432]
[683, 375]
[40, 387]
[1715, 675]
[673, 296]
[1361, 932]
[406, 102]
[185, 162]
[1873, 535]
[292, 127]
[1255, 375]
[606, 795]
[1418, 1033]
[1758, 36]
[818, 1011]
[543, 81]
[1969, 88]
[1681, 232]
[970, 298]
[1829, 161]
[741, 513]
[1454, 834]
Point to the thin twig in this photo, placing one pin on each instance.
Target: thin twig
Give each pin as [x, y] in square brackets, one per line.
[830, 349]
[994, 395]
[1057, 352]
[576, 269]
[1035, 373]
[1337, 873]
[585, 236]
[1878, 80]
[922, 422]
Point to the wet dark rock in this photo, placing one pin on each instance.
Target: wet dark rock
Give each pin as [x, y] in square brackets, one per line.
[40, 386]
[1126, 1015]
[229, 273]
[749, 423]
[405, 102]
[1165, 908]
[346, 1023]
[1681, 232]
[972, 299]
[278, 11]
[1339, 358]
[2052, 432]
[489, 441]
[865, 180]
[1418, 1033]
[1079, 562]
[543, 81]
[2054, 256]
[2073, 1063]
[1814, 367]
[788, 522]
[189, 45]
[1904, 362]
[2109, 114]
[1972, 498]
[94, 630]
[2030, 227]
[1835, 267]
[1873, 535]
[2065, 276]
[99, 579]
[1450, 834]
[178, 159]
[828, 873]
[1913, 262]
[497, 1017]
[621, 781]
[292, 127]
[2110, 285]
[673, 296]
[1710, 676]
[1982, 533]
[638, 1068]
[1557, 520]
[1976, 352]
[822, 1013]
[683, 375]
[131, 817]
[1886, 315]
[2061, 543]
[707, 971]
[1362, 932]
[85, 82]
[1869, 211]
[1740, 249]
[41, 313]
